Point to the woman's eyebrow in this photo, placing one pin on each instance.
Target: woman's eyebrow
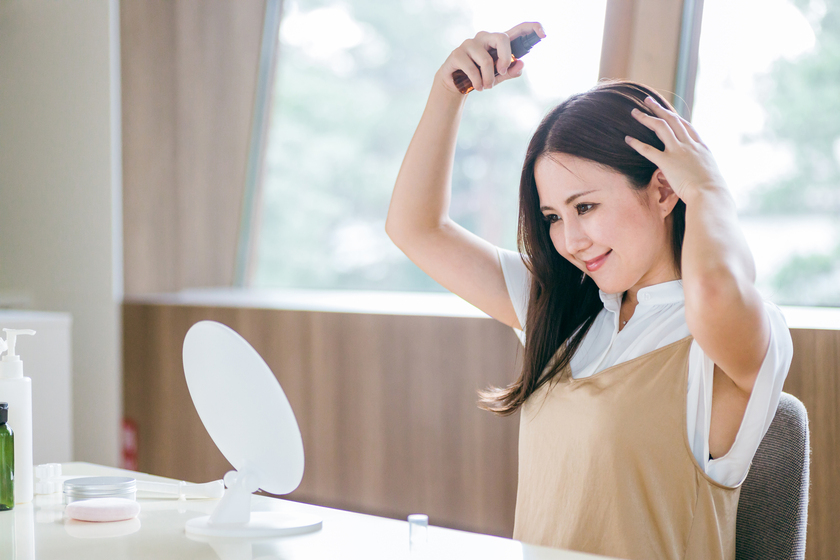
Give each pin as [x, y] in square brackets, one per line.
[574, 196]
[570, 199]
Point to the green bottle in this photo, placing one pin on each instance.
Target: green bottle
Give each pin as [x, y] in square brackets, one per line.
[7, 461]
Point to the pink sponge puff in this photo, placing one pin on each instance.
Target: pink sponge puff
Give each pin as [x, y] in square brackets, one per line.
[103, 509]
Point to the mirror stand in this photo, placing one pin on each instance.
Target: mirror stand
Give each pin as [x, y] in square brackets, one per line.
[233, 517]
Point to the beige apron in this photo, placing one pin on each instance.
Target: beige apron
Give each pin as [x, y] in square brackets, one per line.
[605, 466]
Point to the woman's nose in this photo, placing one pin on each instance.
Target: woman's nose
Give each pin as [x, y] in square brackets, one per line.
[576, 239]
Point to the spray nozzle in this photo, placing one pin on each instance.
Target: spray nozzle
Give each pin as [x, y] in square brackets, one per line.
[9, 343]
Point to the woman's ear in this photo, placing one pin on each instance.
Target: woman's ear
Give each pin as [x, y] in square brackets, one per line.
[665, 197]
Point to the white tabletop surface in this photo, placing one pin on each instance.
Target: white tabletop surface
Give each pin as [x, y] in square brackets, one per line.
[41, 531]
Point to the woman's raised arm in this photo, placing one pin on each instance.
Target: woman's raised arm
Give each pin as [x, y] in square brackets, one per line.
[724, 310]
[418, 218]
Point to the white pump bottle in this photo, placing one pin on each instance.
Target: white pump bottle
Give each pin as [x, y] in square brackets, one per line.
[16, 390]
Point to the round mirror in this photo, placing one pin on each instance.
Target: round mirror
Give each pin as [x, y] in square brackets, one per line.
[250, 420]
[243, 406]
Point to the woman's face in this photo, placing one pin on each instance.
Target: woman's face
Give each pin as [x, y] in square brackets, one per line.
[617, 235]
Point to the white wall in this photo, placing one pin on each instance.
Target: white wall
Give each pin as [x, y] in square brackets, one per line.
[60, 185]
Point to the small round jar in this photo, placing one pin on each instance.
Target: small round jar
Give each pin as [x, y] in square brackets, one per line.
[99, 487]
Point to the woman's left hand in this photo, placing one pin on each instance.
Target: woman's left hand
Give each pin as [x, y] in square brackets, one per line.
[687, 163]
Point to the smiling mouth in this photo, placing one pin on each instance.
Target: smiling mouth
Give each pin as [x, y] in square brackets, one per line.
[595, 264]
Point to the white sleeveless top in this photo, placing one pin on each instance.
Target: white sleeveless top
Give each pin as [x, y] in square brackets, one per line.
[659, 320]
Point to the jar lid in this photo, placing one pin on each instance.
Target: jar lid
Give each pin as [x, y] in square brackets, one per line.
[99, 486]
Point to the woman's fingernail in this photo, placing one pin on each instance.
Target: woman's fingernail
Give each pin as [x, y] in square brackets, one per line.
[650, 100]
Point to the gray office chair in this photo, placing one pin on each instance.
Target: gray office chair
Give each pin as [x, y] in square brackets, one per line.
[773, 510]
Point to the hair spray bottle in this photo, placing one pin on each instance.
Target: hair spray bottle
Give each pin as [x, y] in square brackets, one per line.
[519, 47]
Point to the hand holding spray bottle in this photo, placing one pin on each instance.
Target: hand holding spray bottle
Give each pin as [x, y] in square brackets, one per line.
[519, 47]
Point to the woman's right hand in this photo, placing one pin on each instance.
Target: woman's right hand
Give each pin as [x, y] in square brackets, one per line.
[473, 58]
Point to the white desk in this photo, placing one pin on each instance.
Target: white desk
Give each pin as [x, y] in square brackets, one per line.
[40, 531]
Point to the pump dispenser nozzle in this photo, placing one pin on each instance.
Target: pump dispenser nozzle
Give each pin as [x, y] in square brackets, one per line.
[11, 340]
[11, 364]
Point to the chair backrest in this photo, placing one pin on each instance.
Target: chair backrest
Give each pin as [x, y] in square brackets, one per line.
[773, 509]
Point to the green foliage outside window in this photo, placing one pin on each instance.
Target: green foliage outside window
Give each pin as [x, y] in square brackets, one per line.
[802, 101]
[340, 128]
[340, 125]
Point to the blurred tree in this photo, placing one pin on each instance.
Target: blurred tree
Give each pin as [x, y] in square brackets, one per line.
[802, 100]
[810, 280]
[341, 122]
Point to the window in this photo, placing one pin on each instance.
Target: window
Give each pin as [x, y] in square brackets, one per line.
[767, 103]
[352, 81]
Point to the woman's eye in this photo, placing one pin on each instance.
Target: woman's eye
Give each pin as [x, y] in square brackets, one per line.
[584, 208]
[551, 218]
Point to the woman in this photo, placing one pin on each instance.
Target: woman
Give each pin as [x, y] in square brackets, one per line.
[652, 365]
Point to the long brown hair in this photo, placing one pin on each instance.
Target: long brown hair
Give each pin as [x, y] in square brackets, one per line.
[564, 302]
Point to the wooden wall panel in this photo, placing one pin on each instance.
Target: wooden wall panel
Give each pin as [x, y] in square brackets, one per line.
[189, 73]
[814, 378]
[386, 406]
[387, 409]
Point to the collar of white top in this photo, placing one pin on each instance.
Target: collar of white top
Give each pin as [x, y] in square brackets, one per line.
[658, 294]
